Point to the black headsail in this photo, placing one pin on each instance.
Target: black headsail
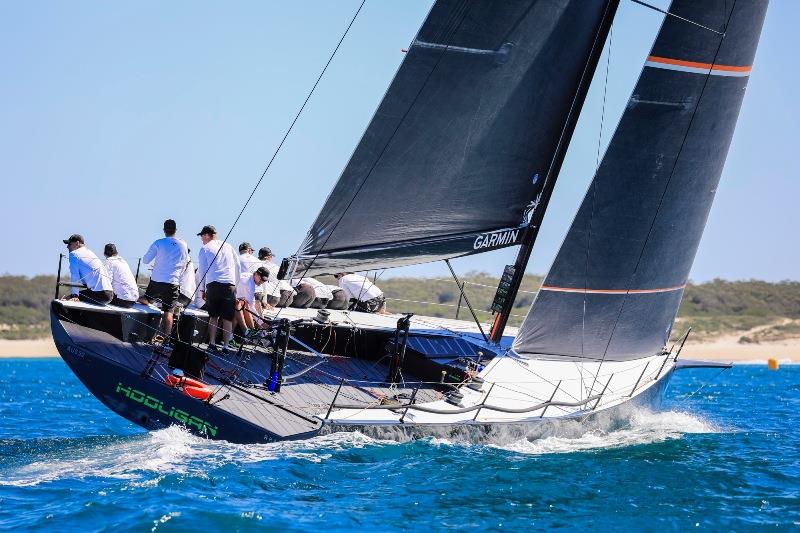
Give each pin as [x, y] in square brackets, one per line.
[614, 288]
[456, 154]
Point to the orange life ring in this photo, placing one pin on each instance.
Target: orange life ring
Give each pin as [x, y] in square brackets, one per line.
[190, 387]
[200, 393]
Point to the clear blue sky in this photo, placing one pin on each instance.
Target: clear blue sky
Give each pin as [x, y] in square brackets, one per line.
[117, 115]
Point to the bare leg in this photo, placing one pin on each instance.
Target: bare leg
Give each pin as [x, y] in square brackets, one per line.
[248, 320]
[212, 330]
[167, 323]
[239, 319]
[227, 330]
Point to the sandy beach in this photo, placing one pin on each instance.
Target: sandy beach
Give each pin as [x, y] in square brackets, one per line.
[28, 348]
[729, 349]
[725, 348]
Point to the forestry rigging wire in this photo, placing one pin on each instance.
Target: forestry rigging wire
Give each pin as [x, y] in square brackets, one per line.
[283, 140]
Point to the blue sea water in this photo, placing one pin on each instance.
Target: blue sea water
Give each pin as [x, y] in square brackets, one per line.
[724, 457]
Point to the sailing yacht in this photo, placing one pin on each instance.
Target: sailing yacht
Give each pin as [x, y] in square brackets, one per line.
[461, 157]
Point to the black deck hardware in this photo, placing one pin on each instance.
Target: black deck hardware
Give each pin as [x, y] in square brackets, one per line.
[399, 347]
[279, 359]
[503, 289]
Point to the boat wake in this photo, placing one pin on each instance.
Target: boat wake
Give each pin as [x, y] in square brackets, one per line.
[643, 427]
[145, 459]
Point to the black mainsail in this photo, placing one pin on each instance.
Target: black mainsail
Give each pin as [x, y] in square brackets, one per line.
[457, 153]
[614, 288]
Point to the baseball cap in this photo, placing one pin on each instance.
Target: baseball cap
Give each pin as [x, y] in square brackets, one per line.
[245, 246]
[110, 249]
[208, 230]
[75, 237]
[264, 252]
[263, 272]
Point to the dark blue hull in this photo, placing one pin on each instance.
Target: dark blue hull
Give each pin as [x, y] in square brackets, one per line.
[129, 379]
[144, 398]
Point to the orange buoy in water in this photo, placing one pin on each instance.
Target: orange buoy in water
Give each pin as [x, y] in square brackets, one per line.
[772, 364]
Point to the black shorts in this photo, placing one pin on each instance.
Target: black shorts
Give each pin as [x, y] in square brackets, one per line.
[221, 300]
[166, 293]
[370, 306]
[122, 303]
[95, 297]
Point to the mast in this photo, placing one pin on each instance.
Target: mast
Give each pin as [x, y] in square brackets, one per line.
[540, 206]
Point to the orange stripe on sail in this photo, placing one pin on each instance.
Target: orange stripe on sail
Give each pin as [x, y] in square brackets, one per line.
[695, 64]
[611, 291]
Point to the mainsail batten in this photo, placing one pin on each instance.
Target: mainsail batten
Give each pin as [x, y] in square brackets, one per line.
[461, 143]
[620, 273]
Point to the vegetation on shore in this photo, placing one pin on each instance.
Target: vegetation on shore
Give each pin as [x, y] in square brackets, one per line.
[766, 311]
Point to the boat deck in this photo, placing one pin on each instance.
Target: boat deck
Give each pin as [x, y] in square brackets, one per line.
[311, 385]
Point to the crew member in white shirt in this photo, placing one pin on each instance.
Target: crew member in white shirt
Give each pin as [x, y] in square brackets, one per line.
[364, 295]
[320, 294]
[87, 269]
[218, 270]
[249, 263]
[249, 288]
[126, 292]
[339, 302]
[278, 292]
[187, 286]
[169, 256]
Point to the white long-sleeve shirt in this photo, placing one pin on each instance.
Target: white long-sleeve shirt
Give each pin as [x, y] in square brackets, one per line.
[273, 286]
[85, 267]
[248, 264]
[187, 284]
[359, 287]
[320, 289]
[169, 257]
[249, 290]
[225, 269]
[123, 282]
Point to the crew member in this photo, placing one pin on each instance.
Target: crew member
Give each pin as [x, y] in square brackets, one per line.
[169, 256]
[187, 285]
[218, 270]
[123, 283]
[310, 293]
[249, 289]
[279, 292]
[339, 302]
[87, 269]
[364, 295]
[248, 264]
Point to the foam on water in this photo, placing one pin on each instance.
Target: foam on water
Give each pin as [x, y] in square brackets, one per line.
[171, 451]
[644, 427]
[144, 459]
